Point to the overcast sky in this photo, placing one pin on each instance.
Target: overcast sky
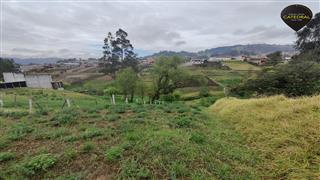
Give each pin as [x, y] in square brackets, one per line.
[77, 29]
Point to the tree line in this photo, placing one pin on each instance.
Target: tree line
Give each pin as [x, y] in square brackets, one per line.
[299, 77]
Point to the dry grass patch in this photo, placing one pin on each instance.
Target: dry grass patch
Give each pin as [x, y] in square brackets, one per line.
[286, 132]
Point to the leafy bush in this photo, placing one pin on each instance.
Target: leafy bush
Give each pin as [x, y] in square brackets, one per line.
[299, 78]
[6, 156]
[38, 164]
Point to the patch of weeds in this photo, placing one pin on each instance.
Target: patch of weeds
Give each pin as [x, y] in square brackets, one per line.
[120, 109]
[19, 131]
[114, 153]
[93, 111]
[132, 169]
[138, 109]
[67, 116]
[6, 156]
[71, 138]
[134, 136]
[18, 114]
[91, 133]
[58, 133]
[178, 169]
[4, 143]
[137, 120]
[198, 138]
[87, 147]
[168, 110]
[38, 164]
[112, 117]
[43, 111]
[182, 122]
[182, 110]
[75, 176]
[141, 115]
[69, 154]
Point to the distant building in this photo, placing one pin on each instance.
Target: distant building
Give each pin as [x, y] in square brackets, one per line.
[16, 80]
[147, 62]
[197, 61]
[256, 60]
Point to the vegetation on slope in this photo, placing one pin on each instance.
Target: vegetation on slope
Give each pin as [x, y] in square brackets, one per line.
[133, 141]
[285, 132]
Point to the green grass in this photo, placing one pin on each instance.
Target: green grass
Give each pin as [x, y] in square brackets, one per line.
[285, 132]
[179, 140]
[129, 141]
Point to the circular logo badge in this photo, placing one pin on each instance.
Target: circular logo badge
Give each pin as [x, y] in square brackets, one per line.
[296, 16]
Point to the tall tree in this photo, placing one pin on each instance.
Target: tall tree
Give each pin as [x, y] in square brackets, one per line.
[166, 75]
[118, 52]
[7, 65]
[274, 58]
[126, 80]
[308, 42]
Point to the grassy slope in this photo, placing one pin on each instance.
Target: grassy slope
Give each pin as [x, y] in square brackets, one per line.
[285, 132]
[91, 141]
[241, 66]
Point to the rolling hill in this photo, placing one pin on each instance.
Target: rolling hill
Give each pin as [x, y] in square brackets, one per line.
[235, 50]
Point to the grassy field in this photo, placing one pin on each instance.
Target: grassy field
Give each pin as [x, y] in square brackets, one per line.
[239, 71]
[285, 132]
[269, 138]
[172, 140]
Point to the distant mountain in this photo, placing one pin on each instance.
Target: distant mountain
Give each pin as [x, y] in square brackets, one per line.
[250, 49]
[173, 53]
[25, 61]
[236, 50]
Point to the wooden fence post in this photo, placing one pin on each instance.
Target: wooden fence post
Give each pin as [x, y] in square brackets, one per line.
[1, 102]
[30, 105]
[113, 99]
[15, 99]
[68, 102]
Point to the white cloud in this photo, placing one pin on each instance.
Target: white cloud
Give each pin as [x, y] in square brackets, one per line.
[76, 29]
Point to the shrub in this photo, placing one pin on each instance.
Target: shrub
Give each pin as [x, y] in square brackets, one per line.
[297, 78]
[6, 156]
[38, 164]
[114, 153]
